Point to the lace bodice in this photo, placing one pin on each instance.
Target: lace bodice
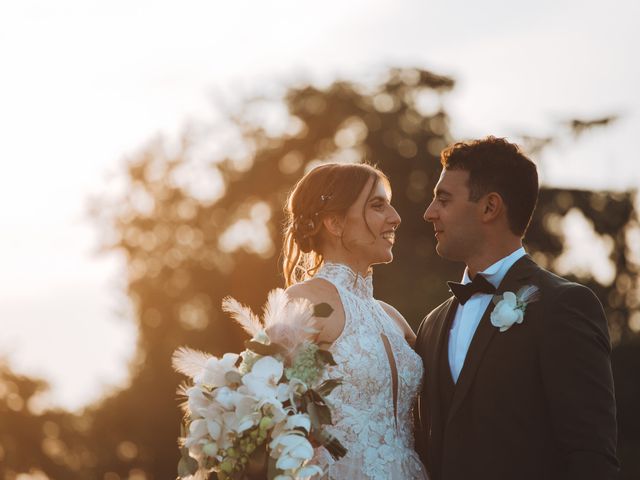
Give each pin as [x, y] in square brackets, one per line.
[373, 358]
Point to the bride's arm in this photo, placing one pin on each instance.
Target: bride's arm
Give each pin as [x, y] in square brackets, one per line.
[404, 326]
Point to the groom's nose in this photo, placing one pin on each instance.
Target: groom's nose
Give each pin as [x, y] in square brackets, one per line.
[429, 213]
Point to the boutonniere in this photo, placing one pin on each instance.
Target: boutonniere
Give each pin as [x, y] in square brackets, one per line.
[510, 307]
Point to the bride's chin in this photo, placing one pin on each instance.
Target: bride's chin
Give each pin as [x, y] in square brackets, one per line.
[387, 258]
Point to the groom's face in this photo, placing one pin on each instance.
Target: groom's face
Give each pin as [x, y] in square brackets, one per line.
[455, 218]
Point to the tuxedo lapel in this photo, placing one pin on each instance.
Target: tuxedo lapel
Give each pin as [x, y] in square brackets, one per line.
[433, 347]
[440, 336]
[513, 281]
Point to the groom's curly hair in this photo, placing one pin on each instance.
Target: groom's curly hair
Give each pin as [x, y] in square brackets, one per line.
[495, 165]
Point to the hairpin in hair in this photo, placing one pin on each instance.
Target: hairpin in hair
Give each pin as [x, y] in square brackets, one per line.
[324, 198]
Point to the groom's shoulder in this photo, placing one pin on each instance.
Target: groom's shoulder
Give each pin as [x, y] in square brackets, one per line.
[554, 287]
[441, 309]
[428, 322]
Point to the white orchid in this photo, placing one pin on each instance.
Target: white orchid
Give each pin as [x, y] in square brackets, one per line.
[227, 397]
[308, 471]
[299, 420]
[507, 312]
[216, 369]
[273, 408]
[262, 381]
[247, 411]
[214, 428]
[197, 433]
[197, 401]
[292, 450]
[510, 307]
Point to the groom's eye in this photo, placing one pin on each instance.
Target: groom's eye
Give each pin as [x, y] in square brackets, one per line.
[442, 199]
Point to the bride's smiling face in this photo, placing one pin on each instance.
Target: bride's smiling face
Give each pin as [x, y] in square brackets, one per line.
[369, 225]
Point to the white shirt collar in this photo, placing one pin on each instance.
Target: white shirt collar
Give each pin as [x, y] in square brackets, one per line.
[496, 272]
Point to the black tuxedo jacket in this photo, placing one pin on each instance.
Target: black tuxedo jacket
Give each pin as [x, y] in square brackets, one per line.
[534, 402]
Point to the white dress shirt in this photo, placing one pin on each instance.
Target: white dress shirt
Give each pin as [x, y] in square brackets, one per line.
[468, 316]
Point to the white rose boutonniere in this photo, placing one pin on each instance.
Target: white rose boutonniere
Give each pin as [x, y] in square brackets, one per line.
[510, 307]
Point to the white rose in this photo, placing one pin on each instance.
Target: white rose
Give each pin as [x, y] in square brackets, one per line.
[506, 313]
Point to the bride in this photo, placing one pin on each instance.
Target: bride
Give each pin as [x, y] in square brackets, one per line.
[340, 223]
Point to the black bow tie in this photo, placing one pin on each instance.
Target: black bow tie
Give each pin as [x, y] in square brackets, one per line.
[464, 292]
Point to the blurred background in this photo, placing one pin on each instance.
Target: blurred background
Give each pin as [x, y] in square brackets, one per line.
[147, 149]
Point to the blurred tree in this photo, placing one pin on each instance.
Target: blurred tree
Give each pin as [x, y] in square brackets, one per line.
[199, 219]
[32, 441]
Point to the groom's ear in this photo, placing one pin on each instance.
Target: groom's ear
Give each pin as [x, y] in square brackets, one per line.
[493, 206]
[334, 225]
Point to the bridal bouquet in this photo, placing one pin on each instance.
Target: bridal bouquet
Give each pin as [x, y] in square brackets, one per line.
[262, 408]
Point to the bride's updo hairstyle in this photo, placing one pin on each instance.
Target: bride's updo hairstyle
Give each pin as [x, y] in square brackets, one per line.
[328, 189]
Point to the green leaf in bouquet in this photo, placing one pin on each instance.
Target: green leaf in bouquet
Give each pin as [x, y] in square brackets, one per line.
[319, 413]
[233, 377]
[327, 386]
[324, 414]
[263, 348]
[322, 310]
[187, 466]
[335, 448]
[332, 444]
[325, 356]
[315, 397]
[310, 407]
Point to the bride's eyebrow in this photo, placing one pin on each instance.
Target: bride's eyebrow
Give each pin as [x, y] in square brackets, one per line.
[378, 198]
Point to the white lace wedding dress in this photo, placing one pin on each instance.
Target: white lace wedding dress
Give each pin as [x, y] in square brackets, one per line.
[381, 374]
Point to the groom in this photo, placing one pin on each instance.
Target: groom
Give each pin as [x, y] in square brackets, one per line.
[529, 398]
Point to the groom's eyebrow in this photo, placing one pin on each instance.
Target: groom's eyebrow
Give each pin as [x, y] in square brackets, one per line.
[440, 192]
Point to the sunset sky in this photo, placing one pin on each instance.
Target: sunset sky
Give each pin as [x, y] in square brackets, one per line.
[86, 83]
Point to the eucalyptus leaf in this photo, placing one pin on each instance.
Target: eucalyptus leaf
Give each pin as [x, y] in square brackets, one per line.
[324, 414]
[322, 310]
[327, 386]
[315, 397]
[335, 448]
[326, 357]
[263, 349]
[187, 466]
[312, 411]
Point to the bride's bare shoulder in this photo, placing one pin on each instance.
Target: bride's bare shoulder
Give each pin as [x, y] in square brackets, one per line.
[315, 290]
[318, 290]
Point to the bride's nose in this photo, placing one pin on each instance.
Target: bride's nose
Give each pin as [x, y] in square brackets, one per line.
[394, 218]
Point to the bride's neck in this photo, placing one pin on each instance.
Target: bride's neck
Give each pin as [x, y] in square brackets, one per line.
[359, 267]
